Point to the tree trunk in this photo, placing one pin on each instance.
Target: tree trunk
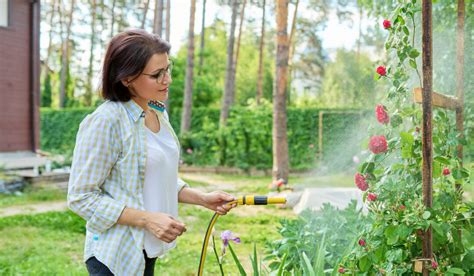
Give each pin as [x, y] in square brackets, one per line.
[203, 37]
[112, 17]
[236, 60]
[145, 11]
[228, 97]
[44, 67]
[90, 88]
[260, 58]
[158, 20]
[168, 19]
[292, 46]
[280, 141]
[64, 58]
[188, 90]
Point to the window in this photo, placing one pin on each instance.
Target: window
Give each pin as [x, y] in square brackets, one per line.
[4, 9]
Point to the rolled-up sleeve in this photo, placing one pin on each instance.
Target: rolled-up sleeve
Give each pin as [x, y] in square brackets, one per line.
[95, 154]
[181, 184]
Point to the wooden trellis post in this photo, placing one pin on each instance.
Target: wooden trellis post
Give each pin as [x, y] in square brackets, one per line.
[428, 98]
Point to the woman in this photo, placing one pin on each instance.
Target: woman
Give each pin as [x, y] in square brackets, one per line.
[124, 176]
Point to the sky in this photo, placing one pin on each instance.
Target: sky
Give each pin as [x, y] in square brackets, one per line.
[336, 35]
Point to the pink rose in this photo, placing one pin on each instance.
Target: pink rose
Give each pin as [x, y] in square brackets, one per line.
[371, 197]
[189, 150]
[387, 24]
[381, 70]
[381, 114]
[341, 270]
[402, 207]
[378, 144]
[362, 242]
[360, 182]
[434, 264]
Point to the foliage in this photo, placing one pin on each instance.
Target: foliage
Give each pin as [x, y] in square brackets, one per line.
[246, 141]
[348, 82]
[323, 237]
[59, 128]
[394, 240]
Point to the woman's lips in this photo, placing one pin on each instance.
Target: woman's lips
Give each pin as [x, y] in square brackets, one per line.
[163, 90]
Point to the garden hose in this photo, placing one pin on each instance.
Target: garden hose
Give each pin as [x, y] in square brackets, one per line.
[242, 200]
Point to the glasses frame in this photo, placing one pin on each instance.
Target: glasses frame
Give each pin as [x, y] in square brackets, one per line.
[160, 75]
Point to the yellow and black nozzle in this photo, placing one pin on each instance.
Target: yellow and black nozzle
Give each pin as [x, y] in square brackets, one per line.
[259, 200]
[241, 200]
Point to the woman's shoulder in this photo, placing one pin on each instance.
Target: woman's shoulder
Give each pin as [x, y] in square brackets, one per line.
[107, 111]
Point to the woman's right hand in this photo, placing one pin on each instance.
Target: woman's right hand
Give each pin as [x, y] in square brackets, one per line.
[164, 226]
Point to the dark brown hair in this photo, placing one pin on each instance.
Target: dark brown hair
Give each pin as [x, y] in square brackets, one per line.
[127, 55]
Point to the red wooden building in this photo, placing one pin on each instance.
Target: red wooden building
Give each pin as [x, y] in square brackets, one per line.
[19, 75]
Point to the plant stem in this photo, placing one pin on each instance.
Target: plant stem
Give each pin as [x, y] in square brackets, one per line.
[217, 256]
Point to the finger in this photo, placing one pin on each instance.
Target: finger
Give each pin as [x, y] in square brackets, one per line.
[178, 225]
[227, 197]
[175, 231]
[221, 211]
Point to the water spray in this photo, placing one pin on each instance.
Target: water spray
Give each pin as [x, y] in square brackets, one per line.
[242, 200]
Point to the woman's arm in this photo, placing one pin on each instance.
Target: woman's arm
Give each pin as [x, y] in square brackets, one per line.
[215, 201]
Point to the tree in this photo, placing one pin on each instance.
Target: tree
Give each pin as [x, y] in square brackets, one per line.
[188, 93]
[158, 19]
[260, 58]
[89, 89]
[236, 59]
[280, 139]
[203, 37]
[168, 20]
[145, 11]
[229, 89]
[65, 54]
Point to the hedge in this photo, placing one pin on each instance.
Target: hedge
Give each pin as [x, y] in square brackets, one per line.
[246, 141]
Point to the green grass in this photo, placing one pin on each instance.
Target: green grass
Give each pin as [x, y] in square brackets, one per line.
[32, 195]
[52, 243]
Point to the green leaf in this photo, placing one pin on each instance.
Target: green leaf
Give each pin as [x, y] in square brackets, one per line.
[391, 234]
[282, 264]
[437, 168]
[308, 269]
[414, 53]
[426, 215]
[319, 261]
[456, 270]
[407, 141]
[376, 76]
[255, 261]
[396, 120]
[406, 31]
[412, 63]
[237, 262]
[364, 263]
[442, 159]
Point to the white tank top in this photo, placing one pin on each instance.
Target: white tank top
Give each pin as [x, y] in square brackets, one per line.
[160, 193]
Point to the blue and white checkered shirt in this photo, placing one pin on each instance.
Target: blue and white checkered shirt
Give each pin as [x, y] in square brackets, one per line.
[107, 175]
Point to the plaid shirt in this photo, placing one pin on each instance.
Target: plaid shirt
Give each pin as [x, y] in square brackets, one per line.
[107, 175]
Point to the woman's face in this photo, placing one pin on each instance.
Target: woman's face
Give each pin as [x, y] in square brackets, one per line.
[153, 83]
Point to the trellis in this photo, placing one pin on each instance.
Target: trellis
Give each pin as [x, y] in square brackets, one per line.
[428, 99]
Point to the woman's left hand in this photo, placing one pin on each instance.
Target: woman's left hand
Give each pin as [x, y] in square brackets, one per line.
[217, 201]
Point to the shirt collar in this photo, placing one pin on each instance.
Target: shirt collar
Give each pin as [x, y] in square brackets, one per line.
[134, 110]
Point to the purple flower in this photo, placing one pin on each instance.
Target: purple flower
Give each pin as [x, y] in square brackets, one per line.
[227, 236]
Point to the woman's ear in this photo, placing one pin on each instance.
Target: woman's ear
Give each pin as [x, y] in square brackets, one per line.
[126, 82]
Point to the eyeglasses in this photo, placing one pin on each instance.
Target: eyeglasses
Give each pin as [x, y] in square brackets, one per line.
[160, 75]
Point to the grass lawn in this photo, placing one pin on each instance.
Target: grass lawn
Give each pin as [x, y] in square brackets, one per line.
[30, 195]
[52, 243]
